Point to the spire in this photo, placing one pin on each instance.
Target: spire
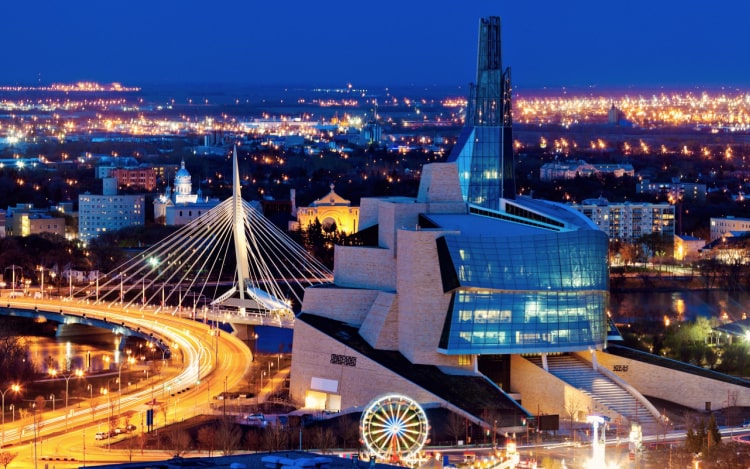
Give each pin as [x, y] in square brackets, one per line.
[239, 220]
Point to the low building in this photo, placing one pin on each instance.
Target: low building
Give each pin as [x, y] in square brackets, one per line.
[673, 190]
[331, 210]
[141, 177]
[687, 247]
[181, 206]
[722, 227]
[574, 169]
[25, 220]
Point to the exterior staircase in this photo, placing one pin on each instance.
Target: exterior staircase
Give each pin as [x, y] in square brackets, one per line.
[582, 376]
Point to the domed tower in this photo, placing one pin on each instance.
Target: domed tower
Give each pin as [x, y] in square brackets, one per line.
[183, 186]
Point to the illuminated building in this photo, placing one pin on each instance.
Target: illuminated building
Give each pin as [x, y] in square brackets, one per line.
[484, 151]
[681, 190]
[722, 227]
[580, 168]
[446, 287]
[110, 211]
[331, 210]
[629, 221]
[25, 220]
[180, 206]
[144, 178]
[687, 247]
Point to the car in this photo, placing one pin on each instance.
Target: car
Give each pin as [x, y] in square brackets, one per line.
[256, 419]
[746, 424]
[101, 435]
[130, 427]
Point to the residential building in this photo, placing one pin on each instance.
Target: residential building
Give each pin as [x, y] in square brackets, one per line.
[722, 227]
[673, 191]
[140, 177]
[629, 221]
[687, 248]
[580, 168]
[110, 211]
[25, 220]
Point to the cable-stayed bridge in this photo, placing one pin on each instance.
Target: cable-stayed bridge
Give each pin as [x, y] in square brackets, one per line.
[230, 265]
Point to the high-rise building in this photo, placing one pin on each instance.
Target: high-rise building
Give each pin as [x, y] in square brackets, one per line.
[484, 152]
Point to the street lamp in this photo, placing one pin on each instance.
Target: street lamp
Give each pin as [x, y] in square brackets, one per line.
[15, 388]
[119, 381]
[52, 398]
[13, 280]
[41, 287]
[255, 345]
[67, 375]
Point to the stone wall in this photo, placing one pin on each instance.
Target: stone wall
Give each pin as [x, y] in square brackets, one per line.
[364, 267]
[672, 385]
[542, 392]
[349, 305]
[357, 384]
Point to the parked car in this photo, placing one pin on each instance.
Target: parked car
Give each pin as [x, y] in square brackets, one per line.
[130, 428]
[101, 435]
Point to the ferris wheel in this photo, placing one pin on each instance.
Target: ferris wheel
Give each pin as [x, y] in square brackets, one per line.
[394, 428]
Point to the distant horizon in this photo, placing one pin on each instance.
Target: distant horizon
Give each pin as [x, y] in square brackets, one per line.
[379, 87]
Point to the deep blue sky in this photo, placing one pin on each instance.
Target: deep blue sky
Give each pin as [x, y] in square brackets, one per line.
[550, 43]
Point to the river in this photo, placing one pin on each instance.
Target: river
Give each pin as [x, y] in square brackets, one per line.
[683, 305]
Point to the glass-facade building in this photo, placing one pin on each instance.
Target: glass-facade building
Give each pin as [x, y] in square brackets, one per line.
[524, 294]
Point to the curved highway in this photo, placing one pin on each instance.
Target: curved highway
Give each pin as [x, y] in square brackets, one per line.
[203, 359]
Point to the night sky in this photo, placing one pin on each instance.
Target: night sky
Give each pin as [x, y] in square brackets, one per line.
[552, 43]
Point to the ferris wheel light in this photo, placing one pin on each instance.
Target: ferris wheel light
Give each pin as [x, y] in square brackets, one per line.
[394, 428]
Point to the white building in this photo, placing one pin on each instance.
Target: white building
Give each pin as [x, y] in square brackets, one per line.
[180, 206]
[573, 169]
[728, 226]
[629, 221]
[108, 212]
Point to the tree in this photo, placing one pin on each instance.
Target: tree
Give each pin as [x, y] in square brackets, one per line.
[228, 436]
[456, 426]
[207, 438]
[6, 458]
[180, 442]
[323, 439]
[275, 438]
[348, 430]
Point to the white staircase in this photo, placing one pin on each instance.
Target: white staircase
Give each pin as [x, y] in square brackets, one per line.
[582, 376]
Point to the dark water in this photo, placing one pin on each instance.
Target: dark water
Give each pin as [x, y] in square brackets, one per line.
[678, 306]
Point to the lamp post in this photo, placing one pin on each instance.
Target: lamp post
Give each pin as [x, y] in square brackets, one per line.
[52, 398]
[13, 412]
[66, 375]
[13, 280]
[119, 381]
[41, 287]
[36, 429]
[14, 388]
[255, 345]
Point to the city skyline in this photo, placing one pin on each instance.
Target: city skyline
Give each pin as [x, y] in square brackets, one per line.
[574, 44]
